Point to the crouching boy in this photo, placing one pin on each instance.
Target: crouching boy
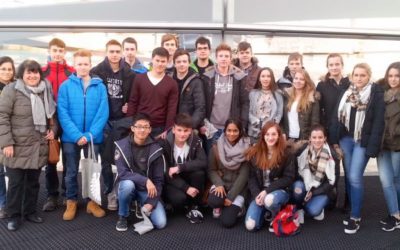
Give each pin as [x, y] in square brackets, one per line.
[140, 166]
[187, 163]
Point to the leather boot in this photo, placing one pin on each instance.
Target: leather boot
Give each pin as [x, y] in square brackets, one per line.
[70, 212]
[96, 210]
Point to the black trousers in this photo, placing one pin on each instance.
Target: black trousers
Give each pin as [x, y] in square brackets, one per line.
[23, 190]
[229, 215]
[178, 197]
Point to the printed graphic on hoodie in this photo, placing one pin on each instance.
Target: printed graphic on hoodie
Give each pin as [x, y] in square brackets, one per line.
[114, 88]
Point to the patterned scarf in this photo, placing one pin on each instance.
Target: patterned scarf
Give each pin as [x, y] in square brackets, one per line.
[353, 98]
[317, 162]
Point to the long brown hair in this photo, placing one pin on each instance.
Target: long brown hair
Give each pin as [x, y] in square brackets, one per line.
[309, 87]
[260, 150]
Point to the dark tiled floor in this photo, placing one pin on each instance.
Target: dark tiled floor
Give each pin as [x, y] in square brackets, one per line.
[87, 232]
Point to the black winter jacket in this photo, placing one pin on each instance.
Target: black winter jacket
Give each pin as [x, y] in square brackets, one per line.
[373, 127]
[280, 177]
[195, 161]
[191, 98]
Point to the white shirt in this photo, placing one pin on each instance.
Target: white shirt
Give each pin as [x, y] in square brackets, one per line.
[293, 117]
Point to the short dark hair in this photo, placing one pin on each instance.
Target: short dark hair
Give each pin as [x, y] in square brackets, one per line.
[181, 52]
[129, 40]
[160, 51]
[244, 46]
[113, 42]
[57, 42]
[7, 59]
[203, 40]
[140, 116]
[30, 66]
[295, 56]
[183, 120]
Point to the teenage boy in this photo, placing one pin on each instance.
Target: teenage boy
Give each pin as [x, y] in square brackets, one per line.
[187, 163]
[155, 94]
[140, 166]
[248, 63]
[203, 51]
[83, 112]
[117, 77]
[225, 96]
[191, 93]
[295, 63]
[171, 44]
[56, 72]
[130, 46]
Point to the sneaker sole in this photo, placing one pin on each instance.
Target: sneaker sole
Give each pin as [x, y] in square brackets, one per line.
[348, 231]
[121, 229]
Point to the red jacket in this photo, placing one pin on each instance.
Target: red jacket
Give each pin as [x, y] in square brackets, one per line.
[57, 73]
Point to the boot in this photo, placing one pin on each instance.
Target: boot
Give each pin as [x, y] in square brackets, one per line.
[51, 204]
[70, 212]
[96, 210]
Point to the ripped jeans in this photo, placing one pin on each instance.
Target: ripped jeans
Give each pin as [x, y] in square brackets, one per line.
[272, 205]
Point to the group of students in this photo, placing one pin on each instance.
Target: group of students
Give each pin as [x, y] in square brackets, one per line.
[184, 135]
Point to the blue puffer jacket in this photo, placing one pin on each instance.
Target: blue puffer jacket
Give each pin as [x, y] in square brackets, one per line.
[82, 113]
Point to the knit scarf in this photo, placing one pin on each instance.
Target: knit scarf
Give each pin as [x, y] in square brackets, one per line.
[317, 162]
[41, 111]
[356, 99]
[230, 155]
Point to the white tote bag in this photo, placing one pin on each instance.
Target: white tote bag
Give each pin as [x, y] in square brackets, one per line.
[91, 171]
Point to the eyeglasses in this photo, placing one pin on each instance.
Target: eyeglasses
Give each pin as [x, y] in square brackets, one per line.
[6, 69]
[142, 128]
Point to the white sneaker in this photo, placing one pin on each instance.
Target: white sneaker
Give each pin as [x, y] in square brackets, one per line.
[321, 216]
[300, 214]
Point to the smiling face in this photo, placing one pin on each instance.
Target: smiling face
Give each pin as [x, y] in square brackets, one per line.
[317, 139]
[181, 134]
[245, 56]
[360, 77]
[141, 130]
[393, 78]
[299, 81]
[171, 46]
[6, 72]
[271, 137]
[31, 78]
[232, 133]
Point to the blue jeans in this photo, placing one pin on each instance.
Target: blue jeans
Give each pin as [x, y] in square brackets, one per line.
[3, 193]
[127, 192]
[273, 202]
[72, 154]
[354, 162]
[389, 174]
[210, 142]
[315, 205]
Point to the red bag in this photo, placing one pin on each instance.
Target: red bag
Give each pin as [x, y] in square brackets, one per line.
[286, 222]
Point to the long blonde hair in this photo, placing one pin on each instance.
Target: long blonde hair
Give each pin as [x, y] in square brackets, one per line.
[308, 89]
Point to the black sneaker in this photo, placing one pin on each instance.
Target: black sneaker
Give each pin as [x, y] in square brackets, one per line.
[346, 221]
[386, 220]
[122, 224]
[391, 224]
[352, 226]
[195, 216]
